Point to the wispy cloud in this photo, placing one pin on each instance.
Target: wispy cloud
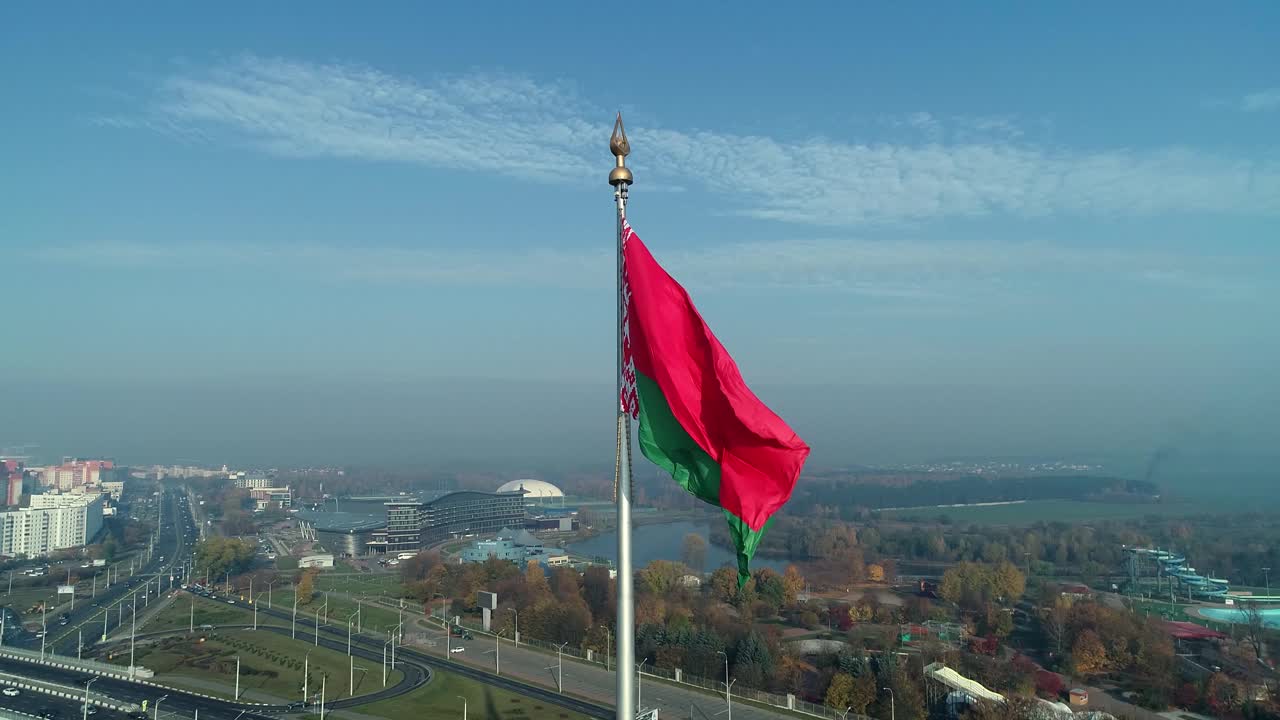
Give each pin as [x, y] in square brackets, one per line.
[1262, 100]
[906, 272]
[514, 126]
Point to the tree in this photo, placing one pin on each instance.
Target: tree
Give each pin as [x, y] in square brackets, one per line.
[535, 578]
[220, 555]
[660, 577]
[1008, 582]
[1054, 622]
[863, 693]
[306, 586]
[694, 552]
[1088, 654]
[1255, 628]
[792, 584]
[840, 691]
[598, 591]
[875, 573]
[770, 588]
[752, 661]
[724, 584]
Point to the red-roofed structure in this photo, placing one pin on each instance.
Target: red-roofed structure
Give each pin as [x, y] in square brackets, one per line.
[1191, 631]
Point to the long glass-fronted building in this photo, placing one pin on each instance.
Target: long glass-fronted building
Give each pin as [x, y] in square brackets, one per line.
[413, 524]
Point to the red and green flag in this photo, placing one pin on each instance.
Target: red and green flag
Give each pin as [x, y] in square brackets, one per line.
[698, 420]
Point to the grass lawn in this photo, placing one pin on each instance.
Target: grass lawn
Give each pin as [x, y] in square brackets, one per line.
[177, 615]
[439, 698]
[269, 662]
[373, 619]
[1035, 511]
[387, 584]
[286, 563]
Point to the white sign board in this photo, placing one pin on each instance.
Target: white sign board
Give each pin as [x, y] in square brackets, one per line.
[66, 589]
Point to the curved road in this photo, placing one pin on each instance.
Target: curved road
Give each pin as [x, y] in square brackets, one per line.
[414, 675]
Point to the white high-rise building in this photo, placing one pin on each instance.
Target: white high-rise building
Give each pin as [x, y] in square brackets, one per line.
[54, 522]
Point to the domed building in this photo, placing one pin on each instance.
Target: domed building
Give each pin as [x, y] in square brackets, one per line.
[538, 491]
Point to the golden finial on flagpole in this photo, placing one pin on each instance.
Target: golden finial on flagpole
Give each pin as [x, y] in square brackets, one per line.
[618, 145]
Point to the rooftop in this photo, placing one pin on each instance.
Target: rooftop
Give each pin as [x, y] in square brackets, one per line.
[343, 521]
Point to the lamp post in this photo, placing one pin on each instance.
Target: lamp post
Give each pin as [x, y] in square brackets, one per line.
[133, 636]
[639, 688]
[516, 615]
[293, 627]
[464, 707]
[393, 645]
[306, 668]
[1266, 573]
[85, 712]
[350, 623]
[728, 696]
[273, 582]
[191, 624]
[255, 612]
[236, 696]
[384, 662]
[560, 668]
[892, 709]
[608, 646]
[156, 716]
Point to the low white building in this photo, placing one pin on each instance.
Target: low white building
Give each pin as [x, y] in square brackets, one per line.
[316, 561]
[53, 522]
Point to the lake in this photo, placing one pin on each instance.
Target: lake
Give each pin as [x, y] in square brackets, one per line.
[665, 541]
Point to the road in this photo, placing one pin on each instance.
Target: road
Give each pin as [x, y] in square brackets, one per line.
[171, 544]
[414, 674]
[34, 703]
[585, 680]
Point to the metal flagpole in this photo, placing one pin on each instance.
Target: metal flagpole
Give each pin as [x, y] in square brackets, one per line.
[620, 178]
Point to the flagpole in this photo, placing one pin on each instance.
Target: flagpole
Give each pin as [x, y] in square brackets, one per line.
[620, 178]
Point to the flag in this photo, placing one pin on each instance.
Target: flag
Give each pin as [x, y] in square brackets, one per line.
[698, 420]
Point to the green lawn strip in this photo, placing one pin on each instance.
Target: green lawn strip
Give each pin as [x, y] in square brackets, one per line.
[381, 584]
[374, 619]
[177, 616]
[440, 698]
[269, 662]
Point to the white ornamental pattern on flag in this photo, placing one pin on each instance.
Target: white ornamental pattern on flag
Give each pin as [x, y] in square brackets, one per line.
[630, 401]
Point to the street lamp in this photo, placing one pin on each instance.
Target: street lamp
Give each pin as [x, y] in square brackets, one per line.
[85, 713]
[157, 710]
[464, 707]
[293, 627]
[273, 582]
[306, 668]
[516, 615]
[892, 709]
[1266, 573]
[560, 666]
[608, 646]
[728, 701]
[236, 696]
[350, 623]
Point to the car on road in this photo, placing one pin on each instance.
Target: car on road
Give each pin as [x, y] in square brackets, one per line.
[457, 649]
[11, 692]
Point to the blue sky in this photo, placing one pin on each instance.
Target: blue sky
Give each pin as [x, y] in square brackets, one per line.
[1081, 197]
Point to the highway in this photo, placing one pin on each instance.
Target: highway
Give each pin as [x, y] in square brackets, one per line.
[33, 703]
[171, 544]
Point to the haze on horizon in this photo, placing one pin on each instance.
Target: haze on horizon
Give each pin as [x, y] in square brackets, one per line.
[385, 237]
